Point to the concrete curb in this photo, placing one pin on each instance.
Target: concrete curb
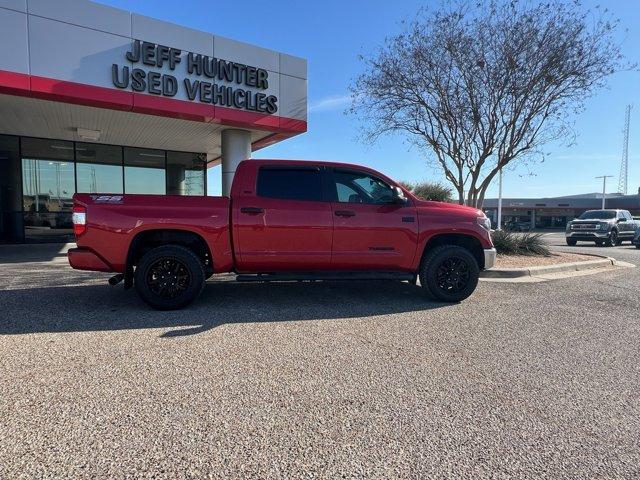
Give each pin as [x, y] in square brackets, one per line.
[602, 262]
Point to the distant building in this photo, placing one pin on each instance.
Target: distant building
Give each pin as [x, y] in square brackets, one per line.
[555, 212]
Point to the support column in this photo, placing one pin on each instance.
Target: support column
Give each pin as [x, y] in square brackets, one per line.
[176, 180]
[236, 147]
[533, 219]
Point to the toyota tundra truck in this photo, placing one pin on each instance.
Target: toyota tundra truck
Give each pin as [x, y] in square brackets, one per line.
[283, 220]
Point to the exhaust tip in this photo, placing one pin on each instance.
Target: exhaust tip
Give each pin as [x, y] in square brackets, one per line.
[116, 279]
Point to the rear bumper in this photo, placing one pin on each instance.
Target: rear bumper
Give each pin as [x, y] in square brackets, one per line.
[489, 257]
[85, 259]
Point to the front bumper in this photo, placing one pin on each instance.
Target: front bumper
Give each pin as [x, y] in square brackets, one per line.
[588, 235]
[489, 257]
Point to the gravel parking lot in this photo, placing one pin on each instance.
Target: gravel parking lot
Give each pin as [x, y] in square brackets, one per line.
[318, 380]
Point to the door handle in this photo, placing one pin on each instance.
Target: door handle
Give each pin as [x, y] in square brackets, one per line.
[252, 210]
[345, 213]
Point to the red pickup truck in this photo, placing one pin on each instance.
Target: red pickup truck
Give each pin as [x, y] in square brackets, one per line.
[284, 220]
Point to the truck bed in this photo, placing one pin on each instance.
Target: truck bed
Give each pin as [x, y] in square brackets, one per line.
[113, 221]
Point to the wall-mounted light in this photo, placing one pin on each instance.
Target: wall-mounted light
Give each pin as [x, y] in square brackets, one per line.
[85, 134]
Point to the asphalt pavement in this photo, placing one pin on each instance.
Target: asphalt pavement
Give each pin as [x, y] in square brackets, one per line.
[365, 380]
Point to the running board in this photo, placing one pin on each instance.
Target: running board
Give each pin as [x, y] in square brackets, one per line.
[324, 276]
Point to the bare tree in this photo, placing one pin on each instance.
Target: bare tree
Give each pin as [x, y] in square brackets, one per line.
[430, 191]
[483, 84]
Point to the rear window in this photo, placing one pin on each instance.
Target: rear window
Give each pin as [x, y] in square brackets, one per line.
[290, 183]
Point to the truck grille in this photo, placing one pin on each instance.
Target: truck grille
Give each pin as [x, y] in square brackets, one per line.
[583, 226]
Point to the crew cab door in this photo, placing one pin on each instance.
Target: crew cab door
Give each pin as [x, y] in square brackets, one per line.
[285, 224]
[371, 231]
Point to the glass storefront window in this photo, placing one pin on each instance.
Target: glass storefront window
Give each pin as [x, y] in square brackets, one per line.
[144, 171]
[47, 185]
[53, 170]
[46, 148]
[47, 190]
[98, 168]
[97, 153]
[185, 173]
[97, 178]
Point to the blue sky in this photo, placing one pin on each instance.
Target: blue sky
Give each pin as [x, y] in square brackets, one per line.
[331, 34]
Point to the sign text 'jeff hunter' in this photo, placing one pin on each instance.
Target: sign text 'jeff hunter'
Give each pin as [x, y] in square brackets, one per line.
[212, 86]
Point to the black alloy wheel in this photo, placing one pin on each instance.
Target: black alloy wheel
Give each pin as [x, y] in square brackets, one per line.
[449, 273]
[453, 275]
[169, 277]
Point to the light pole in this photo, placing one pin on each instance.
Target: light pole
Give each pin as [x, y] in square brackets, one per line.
[500, 201]
[532, 219]
[604, 187]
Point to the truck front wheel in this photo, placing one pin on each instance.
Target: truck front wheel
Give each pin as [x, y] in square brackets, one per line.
[169, 277]
[571, 242]
[449, 273]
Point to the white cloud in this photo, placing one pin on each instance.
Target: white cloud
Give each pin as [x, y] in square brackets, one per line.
[332, 102]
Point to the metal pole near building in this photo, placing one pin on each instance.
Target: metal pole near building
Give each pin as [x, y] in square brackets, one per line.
[499, 201]
[604, 188]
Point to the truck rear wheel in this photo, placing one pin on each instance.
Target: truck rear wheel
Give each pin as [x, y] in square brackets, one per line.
[169, 277]
[449, 273]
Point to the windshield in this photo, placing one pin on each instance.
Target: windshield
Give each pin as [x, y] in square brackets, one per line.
[598, 215]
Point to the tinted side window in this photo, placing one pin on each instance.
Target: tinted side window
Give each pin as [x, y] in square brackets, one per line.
[290, 183]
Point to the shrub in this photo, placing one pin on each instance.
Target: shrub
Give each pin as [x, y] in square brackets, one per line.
[510, 243]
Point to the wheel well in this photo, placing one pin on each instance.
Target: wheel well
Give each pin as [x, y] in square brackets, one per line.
[465, 241]
[145, 241]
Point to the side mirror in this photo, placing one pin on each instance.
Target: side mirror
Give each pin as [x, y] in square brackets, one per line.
[398, 195]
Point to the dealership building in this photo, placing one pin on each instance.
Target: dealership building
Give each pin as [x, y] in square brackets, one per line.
[555, 212]
[100, 100]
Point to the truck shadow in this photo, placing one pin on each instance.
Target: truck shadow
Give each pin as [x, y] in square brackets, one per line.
[82, 308]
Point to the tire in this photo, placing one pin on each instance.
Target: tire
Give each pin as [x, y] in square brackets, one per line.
[184, 277]
[638, 246]
[571, 242]
[441, 282]
[613, 239]
[599, 243]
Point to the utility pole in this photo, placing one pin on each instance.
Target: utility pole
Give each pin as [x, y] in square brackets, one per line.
[500, 201]
[604, 187]
[624, 165]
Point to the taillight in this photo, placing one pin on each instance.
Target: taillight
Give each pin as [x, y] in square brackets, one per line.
[79, 219]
